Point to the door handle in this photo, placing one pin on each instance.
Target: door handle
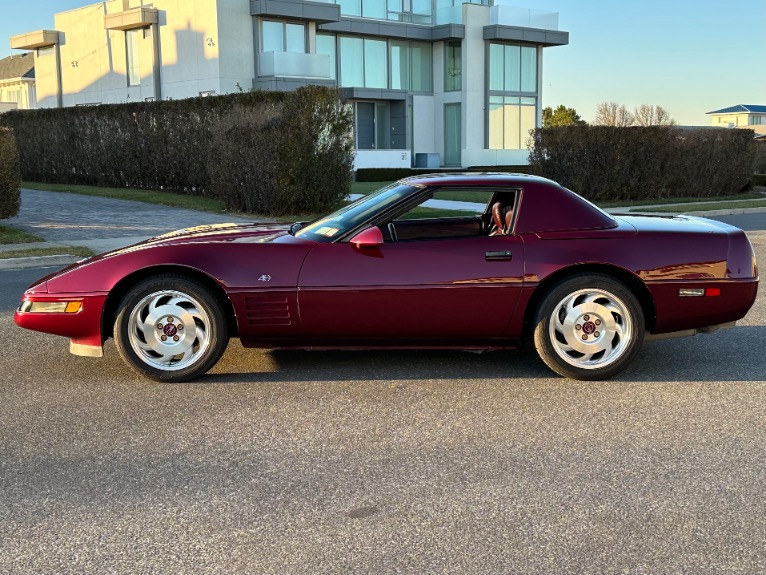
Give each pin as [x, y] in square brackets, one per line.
[498, 256]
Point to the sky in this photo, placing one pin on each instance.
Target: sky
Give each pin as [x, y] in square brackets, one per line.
[688, 56]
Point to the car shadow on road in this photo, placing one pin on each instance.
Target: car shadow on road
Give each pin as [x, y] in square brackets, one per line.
[736, 355]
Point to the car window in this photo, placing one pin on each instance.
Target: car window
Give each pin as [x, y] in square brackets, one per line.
[443, 214]
[453, 203]
[335, 225]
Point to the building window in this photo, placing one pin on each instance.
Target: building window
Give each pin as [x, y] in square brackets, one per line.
[326, 46]
[376, 63]
[363, 63]
[510, 120]
[512, 68]
[421, 67]
[283, 37]
[416, 11]
[363, 8]
[411, 66]
[756, 120]
[512, 109]
[453, 72]
[132, 57]
[9, 95]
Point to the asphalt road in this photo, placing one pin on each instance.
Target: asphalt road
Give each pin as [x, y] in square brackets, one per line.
[386, 462]
[751, 221]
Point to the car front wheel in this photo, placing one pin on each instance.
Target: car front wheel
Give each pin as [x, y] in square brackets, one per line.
[589, 327]
[170, 328]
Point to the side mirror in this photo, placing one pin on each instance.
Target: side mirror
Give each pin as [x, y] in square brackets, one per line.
[368, 238]
[296, 227]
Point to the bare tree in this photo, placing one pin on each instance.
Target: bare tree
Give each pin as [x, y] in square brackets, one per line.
[612, 114]
[648, 115]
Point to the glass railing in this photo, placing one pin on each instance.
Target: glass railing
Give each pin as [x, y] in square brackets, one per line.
[294, 65]
[506, 15]
[449, 12]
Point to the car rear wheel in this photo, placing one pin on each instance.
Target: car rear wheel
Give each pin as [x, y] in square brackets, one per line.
[170, 328]
[589, 327]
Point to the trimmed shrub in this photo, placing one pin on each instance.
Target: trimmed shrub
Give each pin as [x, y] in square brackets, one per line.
[759, 180]
[10, 176]
[316, 149]
[173, 145]
[290, 157]
[243, 165]
[609, 163]
[760, 158]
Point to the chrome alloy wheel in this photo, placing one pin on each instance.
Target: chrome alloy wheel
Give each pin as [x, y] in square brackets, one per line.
[590, 328]
[169, 330]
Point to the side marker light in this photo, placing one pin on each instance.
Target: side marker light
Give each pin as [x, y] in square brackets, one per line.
[699, 292]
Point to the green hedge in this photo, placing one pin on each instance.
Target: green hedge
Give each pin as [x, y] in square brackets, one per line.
[10, 176]
[759, 180]
[288, 157]
[609, 163]
[174, 146]
[760, 158]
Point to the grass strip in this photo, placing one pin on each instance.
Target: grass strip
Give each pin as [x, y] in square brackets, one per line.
[9, 235]
[147, 196]
[50, 251]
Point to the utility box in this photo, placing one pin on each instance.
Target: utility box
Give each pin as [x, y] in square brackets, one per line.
[428, 160]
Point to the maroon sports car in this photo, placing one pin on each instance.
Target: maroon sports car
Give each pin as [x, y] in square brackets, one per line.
[499, 260]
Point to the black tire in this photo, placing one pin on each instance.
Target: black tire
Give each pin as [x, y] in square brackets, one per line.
[170, 328]
[588, 327]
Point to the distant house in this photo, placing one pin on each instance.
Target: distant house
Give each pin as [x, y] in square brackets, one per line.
[431, 82]
[17, 82]
[751, 117]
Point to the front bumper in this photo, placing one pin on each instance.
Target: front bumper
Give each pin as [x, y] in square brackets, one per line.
[43, 312]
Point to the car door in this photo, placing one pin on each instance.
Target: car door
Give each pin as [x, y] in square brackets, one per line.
[462, 288]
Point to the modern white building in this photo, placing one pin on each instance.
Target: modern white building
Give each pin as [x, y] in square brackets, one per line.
[432, 82]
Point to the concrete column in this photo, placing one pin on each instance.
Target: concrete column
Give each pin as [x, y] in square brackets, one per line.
[59, 84]
[157, 65]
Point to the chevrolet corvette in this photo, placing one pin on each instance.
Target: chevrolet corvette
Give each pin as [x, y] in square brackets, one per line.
[465, 261]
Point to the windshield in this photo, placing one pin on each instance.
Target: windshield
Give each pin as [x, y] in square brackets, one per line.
[349, 217]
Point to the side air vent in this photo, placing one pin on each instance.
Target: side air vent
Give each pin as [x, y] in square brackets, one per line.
[268, 311]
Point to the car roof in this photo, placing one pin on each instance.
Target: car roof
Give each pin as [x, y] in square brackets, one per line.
[474, 179]
[547, 206]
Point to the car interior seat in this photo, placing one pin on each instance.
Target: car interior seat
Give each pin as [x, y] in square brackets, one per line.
[502, 218]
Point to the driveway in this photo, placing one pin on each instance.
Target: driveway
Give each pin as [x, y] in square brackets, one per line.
[102, 224]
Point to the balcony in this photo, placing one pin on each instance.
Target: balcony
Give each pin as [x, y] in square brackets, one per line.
[37, 39]
[501, 13]
[294, 65]
[135, 18]
[379, 10]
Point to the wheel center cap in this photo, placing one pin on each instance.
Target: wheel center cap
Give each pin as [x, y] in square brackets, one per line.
[588, 327]
[170, 330]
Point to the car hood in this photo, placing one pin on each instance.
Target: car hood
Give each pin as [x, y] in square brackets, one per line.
[213, 233]
[258, 232]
